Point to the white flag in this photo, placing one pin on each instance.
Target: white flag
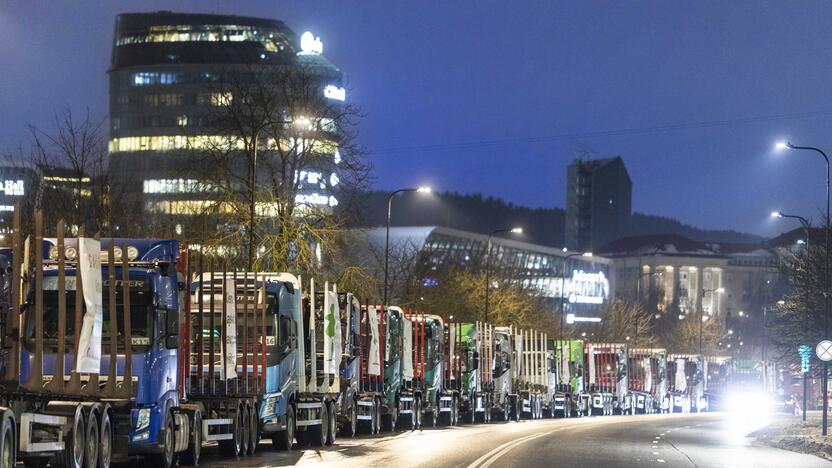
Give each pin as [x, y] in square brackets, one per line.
[332, 333]
[681, 378]
[373, 359]
[89, 265]
[648, 375]
[230, 369]
[565, 351]
[407, 349]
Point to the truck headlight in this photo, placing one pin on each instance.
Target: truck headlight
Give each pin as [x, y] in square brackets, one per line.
[144, 419]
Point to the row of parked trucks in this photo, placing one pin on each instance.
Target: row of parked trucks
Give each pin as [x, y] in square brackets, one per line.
[114, 348]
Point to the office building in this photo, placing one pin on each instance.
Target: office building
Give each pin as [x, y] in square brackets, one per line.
[598, 203]
[166, 78]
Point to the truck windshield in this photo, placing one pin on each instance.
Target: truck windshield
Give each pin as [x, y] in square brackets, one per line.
[141, 318]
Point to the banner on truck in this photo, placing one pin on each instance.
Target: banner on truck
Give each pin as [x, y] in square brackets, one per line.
[564, 364]
[89, 266]
[373, 358]
[648, 374]
[229, 370]
[407, 350]
[332, 333]
[681, 378]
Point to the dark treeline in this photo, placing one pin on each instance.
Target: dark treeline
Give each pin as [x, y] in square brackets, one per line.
[543, 226]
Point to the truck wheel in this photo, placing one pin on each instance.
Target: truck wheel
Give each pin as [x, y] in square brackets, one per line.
[191, 455]
[253, 429]
[91, 447]
[8, 457]
[73, 453]
[283, 440]
[165, 459]
[232, 446]
[333, 424]
[352, 428]
[245, 424]
[319, 432]
[392, 419]
[376, 418]
[105, 447]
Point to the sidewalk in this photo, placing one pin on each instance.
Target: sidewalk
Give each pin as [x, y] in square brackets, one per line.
[792, 433]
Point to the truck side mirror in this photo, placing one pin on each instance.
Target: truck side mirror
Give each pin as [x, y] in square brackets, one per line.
[475, 361]
[172, 342]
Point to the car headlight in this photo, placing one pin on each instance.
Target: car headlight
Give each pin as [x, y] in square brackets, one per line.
[144, 419]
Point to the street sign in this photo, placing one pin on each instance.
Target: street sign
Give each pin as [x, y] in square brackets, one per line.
[805, 352]
[824, 350]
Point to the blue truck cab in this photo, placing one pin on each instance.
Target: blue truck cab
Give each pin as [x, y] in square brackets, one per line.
[139, 419]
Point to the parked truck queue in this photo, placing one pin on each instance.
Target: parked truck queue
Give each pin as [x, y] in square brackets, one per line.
[115, 348]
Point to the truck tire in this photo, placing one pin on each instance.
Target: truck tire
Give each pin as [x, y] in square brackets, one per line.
[332, 428]
[285, 439]
[191, 455]
[392, 420]
[245, 425]
[318, 433]
[375, 419]
[105, 447]
[8, 454]
[166, 458]
[92, 441]
[351, 428]
[73, 454]
[253, 429]
[232, 446]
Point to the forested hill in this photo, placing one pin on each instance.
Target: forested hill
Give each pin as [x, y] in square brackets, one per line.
[541, 226]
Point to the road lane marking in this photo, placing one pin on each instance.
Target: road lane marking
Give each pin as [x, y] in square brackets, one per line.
[655, 453]
[492, 456]
[660, 460]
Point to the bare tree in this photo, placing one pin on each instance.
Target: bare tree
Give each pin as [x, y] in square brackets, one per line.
[623, 322]
[72, 182]
[287, 151]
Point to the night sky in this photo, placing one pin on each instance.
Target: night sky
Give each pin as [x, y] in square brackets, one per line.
[497, 97]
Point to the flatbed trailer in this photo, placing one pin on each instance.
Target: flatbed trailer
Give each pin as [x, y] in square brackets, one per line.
[477, 391]
[606, 378]
[536, 380]
[570, 397]
[685, 382]
[646, 381]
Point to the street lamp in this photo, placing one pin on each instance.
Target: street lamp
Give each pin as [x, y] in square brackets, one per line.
[387, 239]
[806, 228]
[514, 230]
[702, 313]
[253, 182]
[563, 283]
[824, 377]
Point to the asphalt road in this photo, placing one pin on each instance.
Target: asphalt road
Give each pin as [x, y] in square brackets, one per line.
[700, 440]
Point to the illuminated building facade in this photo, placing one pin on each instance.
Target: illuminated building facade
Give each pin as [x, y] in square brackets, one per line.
[164, 76]
[587, 286]
[683, 276]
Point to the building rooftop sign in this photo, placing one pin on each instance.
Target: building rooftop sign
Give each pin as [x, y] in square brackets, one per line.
[310, 45]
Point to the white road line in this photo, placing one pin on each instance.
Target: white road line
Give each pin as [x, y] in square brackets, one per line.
[492, 456]
[655, 453]
[660, 460]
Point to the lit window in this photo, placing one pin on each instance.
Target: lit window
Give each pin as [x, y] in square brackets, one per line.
[207, 142]
[174, 186]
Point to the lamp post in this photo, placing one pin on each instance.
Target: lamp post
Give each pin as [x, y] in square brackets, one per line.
[824, 377]
[387, 238]
[253, 182]
[514, 230]
[806, 227]
[563, 283]
[702, 312]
